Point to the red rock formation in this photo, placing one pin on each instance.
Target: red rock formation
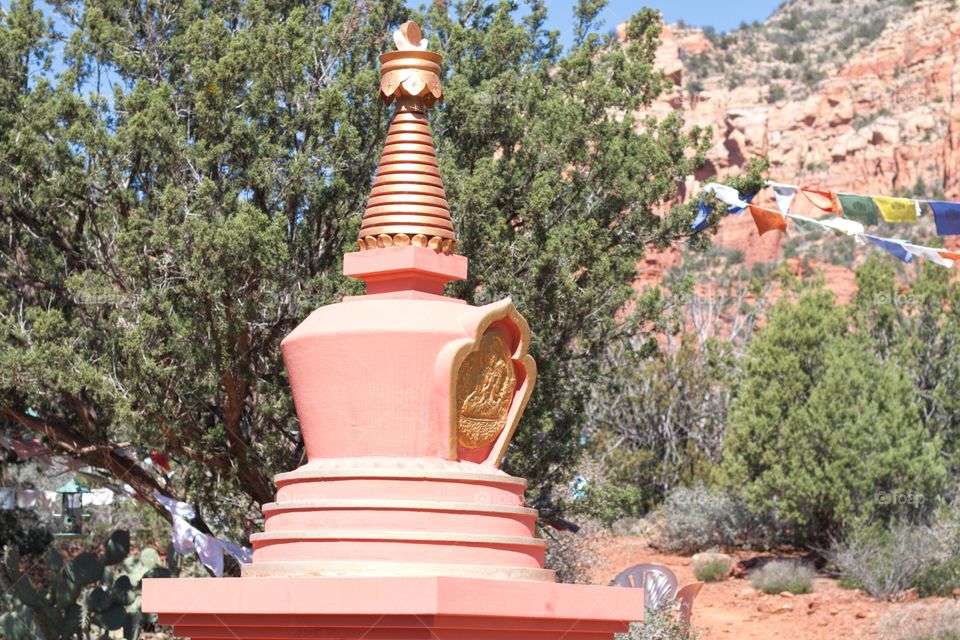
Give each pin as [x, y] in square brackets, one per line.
[884, 121]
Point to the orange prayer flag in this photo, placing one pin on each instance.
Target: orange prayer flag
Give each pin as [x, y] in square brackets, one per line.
[949, 255]
[767, 220]
[821, 199]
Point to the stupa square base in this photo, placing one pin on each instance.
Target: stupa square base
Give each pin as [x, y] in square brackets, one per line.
[389, 608]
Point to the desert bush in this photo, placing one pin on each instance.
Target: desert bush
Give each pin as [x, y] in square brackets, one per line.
[663, 428]
[712, 567]
[574, 555]
[659, 624]
[698, 518]
[629, 527]
[783, 575]
[610, 502]
[921, 622]
[940, 578]
[885, 561]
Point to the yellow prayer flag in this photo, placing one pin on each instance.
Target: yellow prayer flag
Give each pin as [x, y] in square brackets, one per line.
[896, 209]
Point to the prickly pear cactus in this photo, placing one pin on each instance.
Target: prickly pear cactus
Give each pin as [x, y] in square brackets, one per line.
[88, 593]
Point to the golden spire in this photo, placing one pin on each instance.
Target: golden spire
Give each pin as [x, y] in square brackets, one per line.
[408, 204]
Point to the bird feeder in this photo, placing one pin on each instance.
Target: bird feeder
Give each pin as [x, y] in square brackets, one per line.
[71, 508]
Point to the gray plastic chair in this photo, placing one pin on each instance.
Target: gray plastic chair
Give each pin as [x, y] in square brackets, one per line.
[659, 584]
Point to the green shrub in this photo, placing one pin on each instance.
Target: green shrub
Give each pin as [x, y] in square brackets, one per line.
[783, 575]
[659, 624]
[838, 439]
[574, 555]
[885, 561]
[697, 519]
[712, 569]
[939, 578]
[812, 76]
[610, 502]
[941, 574]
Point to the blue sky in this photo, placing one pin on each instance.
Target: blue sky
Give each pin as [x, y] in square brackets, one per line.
[723, 16]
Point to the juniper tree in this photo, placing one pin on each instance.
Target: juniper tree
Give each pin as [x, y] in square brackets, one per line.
[179, 181]
[822, 434]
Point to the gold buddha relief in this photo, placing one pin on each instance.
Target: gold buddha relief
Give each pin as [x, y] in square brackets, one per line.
[485, 387]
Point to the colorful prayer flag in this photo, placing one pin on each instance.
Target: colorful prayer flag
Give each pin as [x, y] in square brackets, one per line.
[784, 194]
[928, 253]
[821, 199]
[703, 212]
[949, 255]
[737, 209]
[843, 225]
[728, 196]
[947, 217]
[896, 209]
[859, 208]
[160, 459]
[856, 210]
[893, 247]
[767, 220]
[805, 225]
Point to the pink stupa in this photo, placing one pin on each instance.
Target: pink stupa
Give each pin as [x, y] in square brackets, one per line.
[401, 524]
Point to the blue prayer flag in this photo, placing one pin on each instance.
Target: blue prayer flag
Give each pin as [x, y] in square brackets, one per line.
[891, 246]
[700, 222]
[747, 198]
[703, 211]
[947, 217]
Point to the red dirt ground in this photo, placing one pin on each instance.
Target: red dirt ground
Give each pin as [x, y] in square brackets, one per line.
[733, 610]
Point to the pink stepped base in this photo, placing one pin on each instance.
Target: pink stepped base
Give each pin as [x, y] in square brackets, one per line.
[379, 516]
[440, 608]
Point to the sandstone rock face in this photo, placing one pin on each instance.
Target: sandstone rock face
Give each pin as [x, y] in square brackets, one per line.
[879, 115]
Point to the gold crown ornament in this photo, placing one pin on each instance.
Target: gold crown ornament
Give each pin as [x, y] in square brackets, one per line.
[408, 204]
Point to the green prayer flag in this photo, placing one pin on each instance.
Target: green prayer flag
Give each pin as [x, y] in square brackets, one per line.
[806, 226]
[860, 208]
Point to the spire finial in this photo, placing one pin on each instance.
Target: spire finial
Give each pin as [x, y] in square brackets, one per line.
[408, 204]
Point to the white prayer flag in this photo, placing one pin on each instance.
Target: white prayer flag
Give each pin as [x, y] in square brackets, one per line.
[244, 555]
[183, 536]
[928, 253]
[175, 507]
[783, 193]
[210, 551]
[727, 195]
